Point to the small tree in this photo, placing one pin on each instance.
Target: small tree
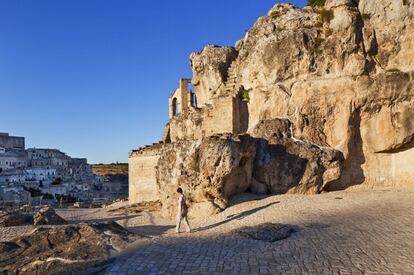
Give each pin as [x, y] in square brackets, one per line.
[244, 94]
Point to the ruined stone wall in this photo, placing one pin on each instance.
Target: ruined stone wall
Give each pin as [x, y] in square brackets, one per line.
[182, 96]
[187, 125]
[142, 180]
[221, 117]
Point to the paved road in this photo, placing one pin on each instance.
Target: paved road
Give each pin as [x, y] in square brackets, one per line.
[336, 233]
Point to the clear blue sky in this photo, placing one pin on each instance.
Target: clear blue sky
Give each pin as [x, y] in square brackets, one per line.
[92, 77]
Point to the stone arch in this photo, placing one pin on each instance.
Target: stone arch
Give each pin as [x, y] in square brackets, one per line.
[180, 99]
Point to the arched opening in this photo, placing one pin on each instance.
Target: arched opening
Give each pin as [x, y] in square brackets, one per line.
[175, 106]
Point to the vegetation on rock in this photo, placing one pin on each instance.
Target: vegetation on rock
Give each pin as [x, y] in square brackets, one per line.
[244, 94]
[314, 3]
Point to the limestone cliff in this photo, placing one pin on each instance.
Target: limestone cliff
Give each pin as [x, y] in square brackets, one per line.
[310, 100]
[343, 74]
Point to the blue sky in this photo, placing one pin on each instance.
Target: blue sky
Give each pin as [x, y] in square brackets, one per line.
[92, 77]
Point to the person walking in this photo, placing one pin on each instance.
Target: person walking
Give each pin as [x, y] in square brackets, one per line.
[182, 211]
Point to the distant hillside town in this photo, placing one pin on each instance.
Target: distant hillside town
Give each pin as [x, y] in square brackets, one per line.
[49, 174]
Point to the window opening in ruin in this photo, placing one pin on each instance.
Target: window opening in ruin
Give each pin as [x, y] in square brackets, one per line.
[193, 96]
[175, 106]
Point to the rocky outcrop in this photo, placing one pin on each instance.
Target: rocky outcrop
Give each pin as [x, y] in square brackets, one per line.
[288, 165]
[15, 218]
[210, 71]
[63, 249]
[213, 169]
[343, 75]
[310, 100]
[388, 28]
[48, 216]
[210, 170]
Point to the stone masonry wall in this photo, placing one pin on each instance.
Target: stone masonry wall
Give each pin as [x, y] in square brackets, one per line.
[142, 180]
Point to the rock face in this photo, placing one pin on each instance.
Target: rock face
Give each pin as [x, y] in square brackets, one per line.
[343, 74]
[310, 100]
[47, 216]
[210, 71]
[63, 249]
[213, 169]
[288, 165]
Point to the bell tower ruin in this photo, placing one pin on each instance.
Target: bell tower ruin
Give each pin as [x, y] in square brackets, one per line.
[181, 99]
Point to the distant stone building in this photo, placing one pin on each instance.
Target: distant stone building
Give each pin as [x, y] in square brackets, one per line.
[47, 157]
[13, 159]
[49, 171]
[12, 152]
[11, 142]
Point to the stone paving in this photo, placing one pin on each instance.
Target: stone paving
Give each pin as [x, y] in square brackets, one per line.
[336, 233]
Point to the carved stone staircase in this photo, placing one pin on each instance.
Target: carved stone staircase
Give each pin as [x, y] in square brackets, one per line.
[230, 85]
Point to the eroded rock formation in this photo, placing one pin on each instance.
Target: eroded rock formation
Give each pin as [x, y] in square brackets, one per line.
[315, 99]
[47, 216]
[63, 249]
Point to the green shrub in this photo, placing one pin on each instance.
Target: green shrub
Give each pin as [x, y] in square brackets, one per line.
[244, 94]
[314, 3]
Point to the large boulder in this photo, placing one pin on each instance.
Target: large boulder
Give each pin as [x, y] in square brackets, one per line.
[213, 169]
[48, 216]
[210, 170]
[288, 165]
[63, 249]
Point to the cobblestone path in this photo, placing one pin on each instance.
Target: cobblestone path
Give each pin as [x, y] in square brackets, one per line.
[336, 233]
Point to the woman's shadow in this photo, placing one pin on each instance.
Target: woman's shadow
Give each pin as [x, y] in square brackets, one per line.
[230, 218]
